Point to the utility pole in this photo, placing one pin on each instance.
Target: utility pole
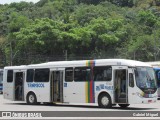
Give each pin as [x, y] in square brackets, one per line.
[155, 51]
[134, 55]
[66, 55]
[11, 54]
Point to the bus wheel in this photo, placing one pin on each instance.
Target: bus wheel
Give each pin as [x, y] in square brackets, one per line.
[31, 99]
[123, 105]
[104, 101]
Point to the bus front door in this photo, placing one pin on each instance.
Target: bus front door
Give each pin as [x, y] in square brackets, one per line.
[120, 85]
[57, 86]
[19, 86]
[131, 86]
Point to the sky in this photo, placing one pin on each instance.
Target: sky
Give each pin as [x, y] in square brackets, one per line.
[10, 1]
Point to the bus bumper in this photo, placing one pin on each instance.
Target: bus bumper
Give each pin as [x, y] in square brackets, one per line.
[149, 100]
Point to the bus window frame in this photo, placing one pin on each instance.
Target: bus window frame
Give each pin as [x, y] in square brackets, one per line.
[32, 76]
[89, 79]
[39, 70]
[11, 77]
[108, 67]
[72, 77]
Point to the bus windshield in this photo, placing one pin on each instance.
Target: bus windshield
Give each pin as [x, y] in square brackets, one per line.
[157, 71]
[145, 78]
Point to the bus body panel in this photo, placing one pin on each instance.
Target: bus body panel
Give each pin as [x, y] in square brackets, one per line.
[41, 90]
[8, 90]
[82, 92]
[104, 87]
[138, 97]
[74, 92]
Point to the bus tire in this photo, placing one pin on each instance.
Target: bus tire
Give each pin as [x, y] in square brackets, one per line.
[104, 101]
[31, 99]
[123, 105]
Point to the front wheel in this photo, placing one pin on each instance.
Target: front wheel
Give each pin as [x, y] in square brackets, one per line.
[123, 105]
[31, 99]
[104, 101]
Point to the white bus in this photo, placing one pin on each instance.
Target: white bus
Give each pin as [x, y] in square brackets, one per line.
[156, 67]
[1, 80]
[104, 81]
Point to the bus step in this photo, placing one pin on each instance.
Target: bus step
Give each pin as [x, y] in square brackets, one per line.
[122, 100]
[122, 96]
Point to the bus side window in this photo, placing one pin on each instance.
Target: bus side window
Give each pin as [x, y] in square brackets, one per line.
[131, 80]
[102, 73]
[158, 79]
[42, 75]
[30, 74]
[82, 74]
[69, 74]
[10, 76]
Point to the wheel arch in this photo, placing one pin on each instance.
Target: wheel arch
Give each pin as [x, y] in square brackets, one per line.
[30, 92]
[104, 92]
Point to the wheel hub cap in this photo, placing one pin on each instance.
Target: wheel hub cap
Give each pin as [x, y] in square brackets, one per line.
[105, 101]
[31, 98]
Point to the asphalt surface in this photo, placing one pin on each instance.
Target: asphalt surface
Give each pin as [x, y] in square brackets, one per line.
[18, 110]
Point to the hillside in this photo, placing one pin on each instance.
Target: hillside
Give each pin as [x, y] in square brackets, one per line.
[79, 29]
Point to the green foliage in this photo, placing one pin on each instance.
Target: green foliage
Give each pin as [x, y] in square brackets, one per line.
[90, 1]
[90, 28]
[142, 48]
[20, 6]
[123, 3]
[147, 18]
[17, 21]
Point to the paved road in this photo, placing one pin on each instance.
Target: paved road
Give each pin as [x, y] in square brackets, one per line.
[7, 105]
[92, 110]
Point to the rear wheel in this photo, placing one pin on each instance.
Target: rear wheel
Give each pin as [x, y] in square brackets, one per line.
[123, 105]
[31, 99]
[104, 101]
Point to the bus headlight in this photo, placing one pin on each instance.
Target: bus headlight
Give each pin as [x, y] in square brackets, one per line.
[139, 95]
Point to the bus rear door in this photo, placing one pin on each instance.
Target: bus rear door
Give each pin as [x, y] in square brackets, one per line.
[56, 89]
[19, 85]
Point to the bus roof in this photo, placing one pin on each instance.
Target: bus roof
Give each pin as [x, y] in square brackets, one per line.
[155, 64]
[97, 62]
[156, 68]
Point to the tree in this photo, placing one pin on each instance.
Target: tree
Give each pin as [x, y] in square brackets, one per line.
[90, 1]
[98, 28]
[143, 48]
[42, 36]
[20, 6]
[17, 21]
[123, 3]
